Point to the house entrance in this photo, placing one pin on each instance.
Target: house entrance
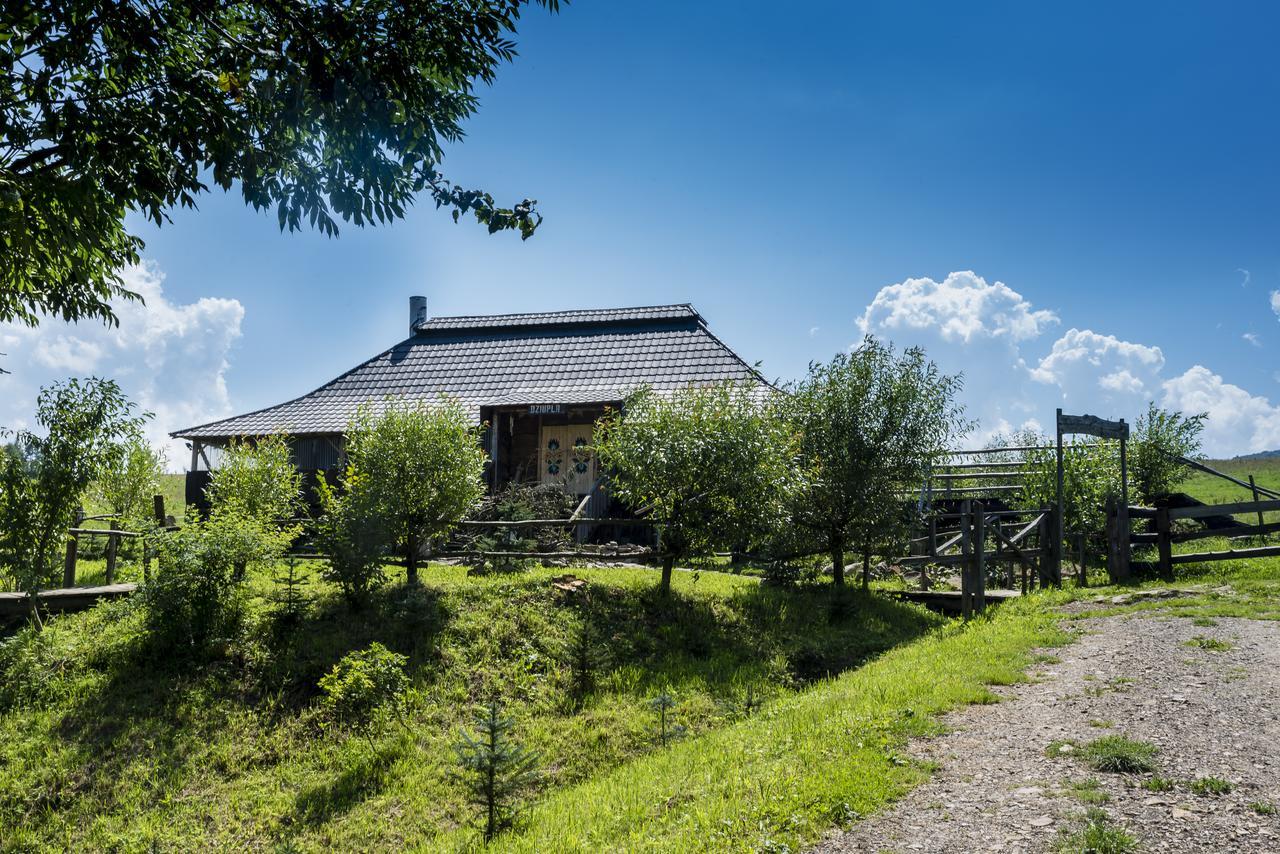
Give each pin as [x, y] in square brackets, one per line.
[565, 457]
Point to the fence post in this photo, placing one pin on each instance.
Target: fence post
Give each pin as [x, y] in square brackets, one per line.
[1048, 533]
[1122, 540]
[113, 545]
[966, 606]
[158, 503]
[1165, 543]
[1082, 568]
[69, 567]
[979, 557]
[1253, 487]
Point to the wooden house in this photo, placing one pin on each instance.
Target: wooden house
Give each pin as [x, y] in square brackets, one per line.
[537, 381]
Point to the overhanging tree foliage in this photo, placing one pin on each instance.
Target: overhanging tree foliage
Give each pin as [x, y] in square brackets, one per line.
[870, 424]
[323, 111]
[709, 465]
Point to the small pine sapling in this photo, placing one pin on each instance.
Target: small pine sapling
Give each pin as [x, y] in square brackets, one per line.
[289, 583]
[583, 657]
[752, 701]
[663, 704]
[498, 767]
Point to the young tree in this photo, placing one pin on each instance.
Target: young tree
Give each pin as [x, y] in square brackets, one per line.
[321, 110]
[130, 478]
[709, 465]
[419, 467]
[254, 494]
[44, 476]
[1160, 438]
[257, 480]
[498, 767]
[870, 424]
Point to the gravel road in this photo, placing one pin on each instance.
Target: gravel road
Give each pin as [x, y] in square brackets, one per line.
[1212, 712]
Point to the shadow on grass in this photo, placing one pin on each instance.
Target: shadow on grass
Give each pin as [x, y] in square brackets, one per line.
[358, 781]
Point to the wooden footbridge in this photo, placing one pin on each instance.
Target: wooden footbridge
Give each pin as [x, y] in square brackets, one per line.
[18, 605]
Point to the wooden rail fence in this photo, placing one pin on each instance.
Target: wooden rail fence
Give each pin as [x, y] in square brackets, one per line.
[1164, 536]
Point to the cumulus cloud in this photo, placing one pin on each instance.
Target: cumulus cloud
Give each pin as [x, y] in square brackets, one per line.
[1102, 369]
[1239, 422]
[1015, 379]
[171, 359]
[961, 307]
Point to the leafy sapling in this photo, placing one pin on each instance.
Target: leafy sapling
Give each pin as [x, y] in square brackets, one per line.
[497, 767]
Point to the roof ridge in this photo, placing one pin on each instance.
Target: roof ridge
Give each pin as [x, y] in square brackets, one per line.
[574, 316]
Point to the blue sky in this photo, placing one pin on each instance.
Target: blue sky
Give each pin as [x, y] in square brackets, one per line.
[1113, 165]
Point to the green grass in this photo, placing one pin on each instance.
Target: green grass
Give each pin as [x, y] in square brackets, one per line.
[1118, 754]
[1088, 791]
[1156, 783]
[1215, 490]
[1211, 786]
[1095, 833]
[106, 745]
[1263, 808]
[1211, 644]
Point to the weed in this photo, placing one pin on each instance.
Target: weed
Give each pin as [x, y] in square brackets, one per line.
[1211, 786]
[1096, 834]
[1088, 791]
[1059, 748]
[1263, 808]
[1098, 723]
[1211, 644]
[1156, 783]
[1118, 754]
[1204, 622]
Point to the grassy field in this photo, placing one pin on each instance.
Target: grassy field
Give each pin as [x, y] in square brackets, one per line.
[108, 746]
[1215, 490]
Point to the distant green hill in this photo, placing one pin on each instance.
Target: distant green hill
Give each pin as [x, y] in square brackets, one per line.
[1261, 455]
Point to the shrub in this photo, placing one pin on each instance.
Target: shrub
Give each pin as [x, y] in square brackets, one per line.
[351, 534]
[421, 469]
[1160, 438]
[192, 600]
[712, 466]
[364, 684]
[257, 480]
[129, 479]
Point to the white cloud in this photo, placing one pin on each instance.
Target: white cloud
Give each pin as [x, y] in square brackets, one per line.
[1100, 370]
[1239, 422]
[961, 307]
[1014, 378]
[813, 330]
[1244, 283]
[170, 359]
[1275, 302]
[1252, 339]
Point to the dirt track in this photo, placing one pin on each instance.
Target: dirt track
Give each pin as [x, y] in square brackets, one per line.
[1212, 713]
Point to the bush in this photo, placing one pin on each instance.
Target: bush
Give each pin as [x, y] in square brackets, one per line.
[363, 684]
[352, 536]
[193, 600]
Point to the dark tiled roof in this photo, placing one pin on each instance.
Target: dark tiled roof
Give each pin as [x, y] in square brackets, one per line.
[511, 360]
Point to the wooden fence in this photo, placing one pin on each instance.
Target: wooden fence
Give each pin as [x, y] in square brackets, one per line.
[989, 545]
[1165, 535]
[114, 537]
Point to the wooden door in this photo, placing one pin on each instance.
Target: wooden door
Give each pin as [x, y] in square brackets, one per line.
[566, 458]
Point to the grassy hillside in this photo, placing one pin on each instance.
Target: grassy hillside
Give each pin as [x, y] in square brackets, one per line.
[1215, 490]
[107, 745]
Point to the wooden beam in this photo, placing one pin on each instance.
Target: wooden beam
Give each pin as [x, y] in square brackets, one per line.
[1234, 554]
[1223, 509]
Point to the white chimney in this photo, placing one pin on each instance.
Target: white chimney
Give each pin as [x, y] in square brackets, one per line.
[417, 313]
